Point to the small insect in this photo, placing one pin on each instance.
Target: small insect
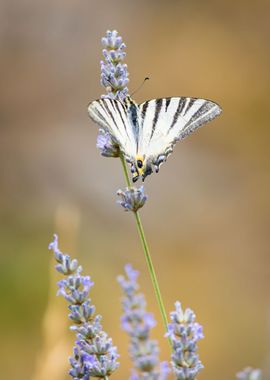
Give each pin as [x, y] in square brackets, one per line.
[146, 133]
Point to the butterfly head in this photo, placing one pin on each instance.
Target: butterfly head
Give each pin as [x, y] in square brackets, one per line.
[140, 168]
[140, 164]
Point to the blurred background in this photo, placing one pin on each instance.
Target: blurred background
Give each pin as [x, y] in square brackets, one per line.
[207, 217]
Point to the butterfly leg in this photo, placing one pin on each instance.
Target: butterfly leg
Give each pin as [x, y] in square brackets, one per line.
[135, 173]
[148, 170]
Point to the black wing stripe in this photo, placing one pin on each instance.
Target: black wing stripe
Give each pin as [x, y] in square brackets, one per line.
[100, 116]
[118, 109]
[156, 115]
[144, 109]
[168, 101]
[208, 111]
[205, 107]
[120, 113]
[197, 114]
[190, 104]
[107, 109]
[181, 105]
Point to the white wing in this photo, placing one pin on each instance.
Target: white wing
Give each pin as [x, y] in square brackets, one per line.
[111, 115]
[164, 121]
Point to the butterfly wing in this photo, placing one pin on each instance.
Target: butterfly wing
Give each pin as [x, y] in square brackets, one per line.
[165, 121]
[112, 116]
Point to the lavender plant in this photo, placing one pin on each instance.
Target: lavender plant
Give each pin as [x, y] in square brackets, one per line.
[132, 199]
[184, 333]
[107, 145]
[136, 321]
[114, 77]
[138, 324]
[114, 74]
[94, 355]
[249, 373]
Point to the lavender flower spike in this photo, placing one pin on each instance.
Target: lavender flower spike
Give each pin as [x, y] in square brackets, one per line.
[94, 354]
[114, 77]
[106, 144]
[184, 333]
[249, 373]
[132, 199]
[114, 74]
[138, 324]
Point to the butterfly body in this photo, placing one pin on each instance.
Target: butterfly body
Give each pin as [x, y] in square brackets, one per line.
[146, 133]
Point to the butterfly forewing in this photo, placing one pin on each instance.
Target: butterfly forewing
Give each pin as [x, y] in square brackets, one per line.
[111, 115]
[165, 121]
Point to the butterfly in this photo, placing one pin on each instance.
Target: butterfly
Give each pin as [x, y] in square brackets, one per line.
[146, 133]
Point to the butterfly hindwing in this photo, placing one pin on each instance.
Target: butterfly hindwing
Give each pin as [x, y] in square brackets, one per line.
[112, 115]
[165, 121]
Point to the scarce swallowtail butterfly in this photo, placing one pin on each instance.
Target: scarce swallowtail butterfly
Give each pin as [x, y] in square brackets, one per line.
[146, 133]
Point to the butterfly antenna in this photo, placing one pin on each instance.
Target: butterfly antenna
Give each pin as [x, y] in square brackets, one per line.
[145, 79]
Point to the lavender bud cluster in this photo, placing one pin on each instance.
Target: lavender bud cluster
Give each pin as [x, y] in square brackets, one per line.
[94, 354]
[106, 144]
[114, 77]
[184, 333]
[138, 324]
[114, 74]
[132, 199]
[249, 373]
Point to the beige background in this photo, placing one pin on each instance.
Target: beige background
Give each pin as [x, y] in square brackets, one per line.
[207, 217]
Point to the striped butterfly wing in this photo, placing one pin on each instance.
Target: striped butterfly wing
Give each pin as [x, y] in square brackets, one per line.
[111, 115]
[165, 121]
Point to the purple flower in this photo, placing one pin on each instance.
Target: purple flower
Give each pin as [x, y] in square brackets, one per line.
[114, 77]
[107, 145]
[184, 333]
[132, 199]
[78, 369]
[65, 265]
[249, 373]
[164, 371]
[94, 354]
[138, 324]
[114, 74]
[75, 289]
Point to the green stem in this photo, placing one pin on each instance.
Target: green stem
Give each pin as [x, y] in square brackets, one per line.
[147, 254]
[151, 270]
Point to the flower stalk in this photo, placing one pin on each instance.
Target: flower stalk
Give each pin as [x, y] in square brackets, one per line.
[114, 77]
[147, 253]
